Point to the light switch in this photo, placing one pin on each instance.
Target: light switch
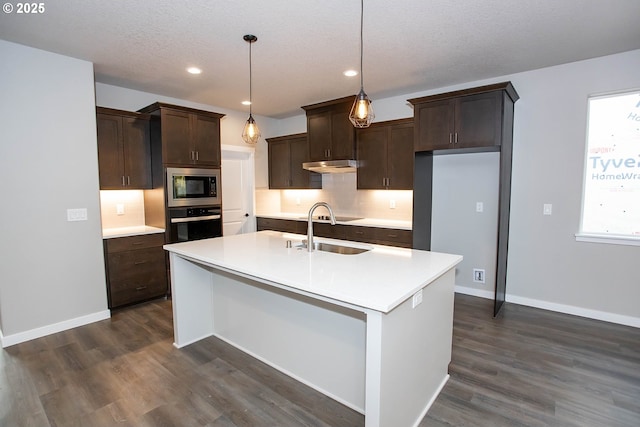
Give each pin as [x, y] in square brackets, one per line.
[546, 209]
[392, 204]
[119, 209]
[77, 214]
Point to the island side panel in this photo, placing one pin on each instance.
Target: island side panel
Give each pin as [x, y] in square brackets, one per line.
[412, 349]
[315, 342]
[192, 295]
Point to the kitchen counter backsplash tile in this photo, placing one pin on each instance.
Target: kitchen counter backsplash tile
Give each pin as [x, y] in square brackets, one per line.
[339, 190]
[131, 203]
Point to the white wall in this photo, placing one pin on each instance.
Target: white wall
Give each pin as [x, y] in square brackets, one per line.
[547, 267]
[52, 270]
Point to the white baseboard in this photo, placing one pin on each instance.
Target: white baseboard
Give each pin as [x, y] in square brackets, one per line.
[552, 306]
[29, 335]
[474, 292]
[576, 311]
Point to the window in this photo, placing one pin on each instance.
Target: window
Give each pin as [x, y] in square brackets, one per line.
[611, 198]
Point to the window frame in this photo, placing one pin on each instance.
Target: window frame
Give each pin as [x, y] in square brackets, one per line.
[589, 236]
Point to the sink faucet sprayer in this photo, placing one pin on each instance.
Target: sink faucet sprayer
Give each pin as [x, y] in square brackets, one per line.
[310, 223]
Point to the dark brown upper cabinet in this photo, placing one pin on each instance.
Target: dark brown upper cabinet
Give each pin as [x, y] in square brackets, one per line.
[466, 120]
[286, 155]
[185, 136]
[385, 155]
[124, 149]
[330, 133]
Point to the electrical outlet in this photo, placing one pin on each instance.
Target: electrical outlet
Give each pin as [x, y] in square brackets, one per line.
[392, 204]
[119, 209]
[547, 208]
[478, 275]
[479, 207]
[298, 201]
[417, 299]
[77, 214]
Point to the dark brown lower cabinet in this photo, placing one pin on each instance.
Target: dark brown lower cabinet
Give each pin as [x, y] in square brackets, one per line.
[136, 269]
[355, 233]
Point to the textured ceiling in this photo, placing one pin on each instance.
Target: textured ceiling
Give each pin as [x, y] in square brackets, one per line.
[304, 46]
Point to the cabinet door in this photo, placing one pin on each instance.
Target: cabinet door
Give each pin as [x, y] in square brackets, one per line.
[478, 119]
[137, 152]
[110, 151]
[206, 140]
[372, 158]
[176, 138]
[400, 157]
[319, 135]
[299, 153]
[342, 136]
[279, 165]
[435, 125]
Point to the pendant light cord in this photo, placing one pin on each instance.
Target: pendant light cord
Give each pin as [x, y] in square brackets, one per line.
[361, 43]
[250, 78]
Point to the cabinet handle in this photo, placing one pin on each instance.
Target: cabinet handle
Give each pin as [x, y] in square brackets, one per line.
[393, 236]
[128, 180]
[141, 288]
[450, 138]
[360, 232]
[123, 184]
[197, 155]
[139, 262]
[456, 139]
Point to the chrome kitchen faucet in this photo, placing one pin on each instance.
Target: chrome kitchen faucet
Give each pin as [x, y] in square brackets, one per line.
[310, 223]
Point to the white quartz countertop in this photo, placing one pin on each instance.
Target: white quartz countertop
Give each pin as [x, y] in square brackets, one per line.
[363, 222]
[109, 233]
[379, 279]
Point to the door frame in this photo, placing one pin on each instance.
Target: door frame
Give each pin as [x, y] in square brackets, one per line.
[247, 155]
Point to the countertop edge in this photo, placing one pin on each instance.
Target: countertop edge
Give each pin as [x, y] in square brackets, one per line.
[112, 233]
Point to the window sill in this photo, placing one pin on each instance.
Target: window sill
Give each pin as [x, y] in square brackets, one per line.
[610, 239]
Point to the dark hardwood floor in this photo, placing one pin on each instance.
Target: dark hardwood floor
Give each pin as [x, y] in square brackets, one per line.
[528, 367]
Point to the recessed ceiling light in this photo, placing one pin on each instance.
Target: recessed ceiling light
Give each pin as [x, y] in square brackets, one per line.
[246, 102]
[194, 70]
[350, 73]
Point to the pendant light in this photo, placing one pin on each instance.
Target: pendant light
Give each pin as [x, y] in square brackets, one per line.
[361, 114]
[251, 133]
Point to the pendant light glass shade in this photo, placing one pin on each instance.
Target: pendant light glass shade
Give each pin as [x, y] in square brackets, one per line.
[361, 114]
[251, 133]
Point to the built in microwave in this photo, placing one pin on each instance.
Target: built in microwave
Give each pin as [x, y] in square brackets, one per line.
[193, 187]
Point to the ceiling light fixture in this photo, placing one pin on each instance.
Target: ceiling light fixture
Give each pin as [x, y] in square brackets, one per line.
[361, 114]
[350, 73]
[251, 133]
[194, 70]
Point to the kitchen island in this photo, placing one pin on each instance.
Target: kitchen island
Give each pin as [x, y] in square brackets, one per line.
[371, 330]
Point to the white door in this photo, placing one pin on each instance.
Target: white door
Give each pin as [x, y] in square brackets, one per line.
[237, 190]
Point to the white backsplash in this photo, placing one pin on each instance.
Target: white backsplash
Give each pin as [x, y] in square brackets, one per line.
[339, 190]
[131, 201]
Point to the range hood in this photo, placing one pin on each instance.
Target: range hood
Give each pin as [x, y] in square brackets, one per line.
[331, 166]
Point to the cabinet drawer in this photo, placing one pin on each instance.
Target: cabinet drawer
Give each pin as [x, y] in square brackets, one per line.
[284, 225]
[131, 292]
[131, 265]
[394, 237]
[324, 229]
[144, 241]
[360, 234]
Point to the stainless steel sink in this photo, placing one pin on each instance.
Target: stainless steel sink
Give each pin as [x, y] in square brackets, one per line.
[336, 249]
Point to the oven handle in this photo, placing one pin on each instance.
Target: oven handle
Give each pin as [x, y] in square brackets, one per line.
[194, 218]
